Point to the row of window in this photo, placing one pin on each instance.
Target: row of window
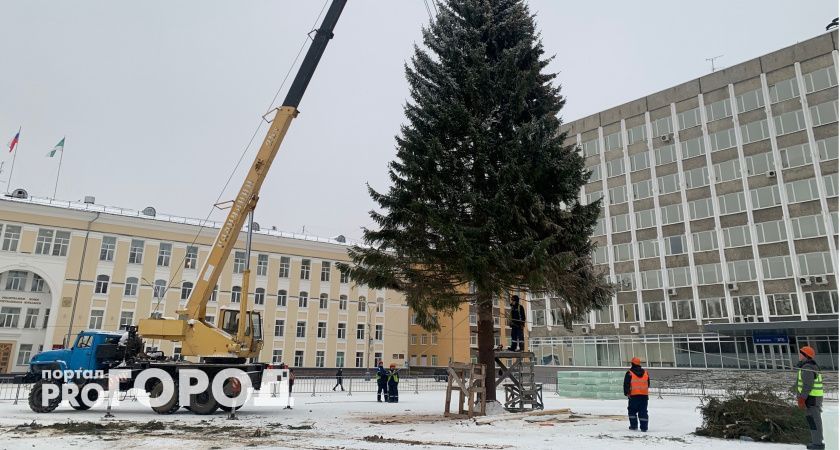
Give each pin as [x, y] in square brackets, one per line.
[321, 330]
[425, 339]
[10, 317]
[320, 358]
[774, 267]
[780, 305]
[784, 90]
[16, 281]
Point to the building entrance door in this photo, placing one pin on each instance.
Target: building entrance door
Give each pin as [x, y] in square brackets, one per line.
[773, 356]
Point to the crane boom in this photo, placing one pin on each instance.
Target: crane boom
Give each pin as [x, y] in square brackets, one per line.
[191, 328]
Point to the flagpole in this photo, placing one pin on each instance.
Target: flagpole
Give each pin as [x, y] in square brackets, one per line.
[14, 157]
[60, 158]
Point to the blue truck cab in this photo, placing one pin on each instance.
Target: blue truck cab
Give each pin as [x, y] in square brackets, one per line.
[92, 350]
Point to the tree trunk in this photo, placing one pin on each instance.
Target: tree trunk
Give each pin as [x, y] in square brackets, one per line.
[484, 307]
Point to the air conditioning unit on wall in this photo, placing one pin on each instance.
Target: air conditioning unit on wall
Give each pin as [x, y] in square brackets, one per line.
[805, 281]
[584, 330]
[665, 137]
[732, 286]
[672, 291]
[634, 329]
[821, 280]
[771, 174]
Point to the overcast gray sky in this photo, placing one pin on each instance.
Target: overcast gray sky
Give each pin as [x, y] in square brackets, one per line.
[157, 99]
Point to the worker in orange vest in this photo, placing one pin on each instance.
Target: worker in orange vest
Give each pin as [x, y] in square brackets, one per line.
[636, 386]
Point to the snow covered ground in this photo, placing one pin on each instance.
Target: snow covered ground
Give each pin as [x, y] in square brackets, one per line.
[357, 422]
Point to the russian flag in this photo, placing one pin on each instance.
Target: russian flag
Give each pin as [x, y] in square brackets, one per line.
[14, 142]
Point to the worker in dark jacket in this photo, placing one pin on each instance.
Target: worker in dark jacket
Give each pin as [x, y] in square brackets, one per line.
[339, 379]
[517, 325]
[809, 394]
[636, 386]
[393, 383]
[381, 382]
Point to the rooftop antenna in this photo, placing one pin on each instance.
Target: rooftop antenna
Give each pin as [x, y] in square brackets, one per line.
[833, 24]
[712, 60]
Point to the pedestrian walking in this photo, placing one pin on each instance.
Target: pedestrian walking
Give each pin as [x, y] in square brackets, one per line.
[339, 379]
[381, 382]
[809, 394]
[393, 383]
[291, 384]
[517, 325]
[636, 386]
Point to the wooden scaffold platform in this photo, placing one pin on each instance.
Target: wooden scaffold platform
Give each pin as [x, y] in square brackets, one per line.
[522, 392]
[468, 380]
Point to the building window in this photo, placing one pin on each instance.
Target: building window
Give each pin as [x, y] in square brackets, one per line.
[599, 255]
[259, 296]
[342, 331]
[159, 289]
[802, 190]
[665, 155]
[281, 298]
[380, 305]
[718, 110]
[106, 250]
[11, 238]
[126, 319]
[238, 262]
[303, 299]
[593, 197]
[749, 306]
[342, 302]
[46, 319]
[701, 208]
[808, 226]
[817, 263]
[623, 252]
[413, 339]
[613, 141]
[679, 276]
[339, 359]
[708, 273]
[215, 294]
[44, 242]
[759, 163]
[473, 340]
[727, 170]
[61, 242]
[164, 255]
[378, 333]
[777, 267]
[594, 173]
[783, 305]
[790, 122]
[262, 265]
[285, 266]
[298, 358]
[639, 161]
[325, 270]
[31, 319]
[135, 252]
[636, 134]
[236, 294]
[683, 309]
[96, 317]
[344, 277]
[324, 301]
[625, 281]
[277, 356]
[618, 195]
[319, 358]
[722, 140]
[191, 257]
[305, 266]
[731, 203]
[434, 340]
[604, 315]
[828, 148]
[704, 240]
[101, 284]
[38, 284]
[830, 182]
[130, 287]
[620, 223]
[615, 167]
[669, 183]
[696, 178]
[628, 313]
[749, 101]
[590, 148]
[795, 156]
[773, 231]
[360, 331]
[784, 90]
[742, 270]
[820, 302]
[16, 280]
[651, 279]
[713, 308]
[360, 359]
[648, 249]
[662, 126]
[322, 330]
[362, 304]
[210, 318]
[654, 311]
[279, 327]
[9, 317]
[24, 354]
[737, 236]
[755, 131]
[671, 214]
[645, 218]
[820, 79]
[301, 329]
[689, 119]
[692, 148]
[765, 197]
[186, 290]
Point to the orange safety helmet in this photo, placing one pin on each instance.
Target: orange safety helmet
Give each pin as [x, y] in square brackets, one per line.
[636, 361]
[808, 351]
[393, 365]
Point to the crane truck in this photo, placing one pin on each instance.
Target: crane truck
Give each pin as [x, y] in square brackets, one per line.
[232, 343]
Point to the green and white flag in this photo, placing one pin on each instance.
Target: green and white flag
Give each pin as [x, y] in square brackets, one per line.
[58, 148]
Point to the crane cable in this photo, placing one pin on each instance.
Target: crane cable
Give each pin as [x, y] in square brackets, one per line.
[244, 151]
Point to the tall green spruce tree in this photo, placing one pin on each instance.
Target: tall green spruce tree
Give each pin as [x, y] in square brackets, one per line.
[485, 195]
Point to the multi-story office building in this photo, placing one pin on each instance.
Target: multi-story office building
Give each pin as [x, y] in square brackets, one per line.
[719, 220]
[66, 267]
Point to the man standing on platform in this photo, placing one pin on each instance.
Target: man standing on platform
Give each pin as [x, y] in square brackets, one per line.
[517, 325]
[809, 394]
[636, 386]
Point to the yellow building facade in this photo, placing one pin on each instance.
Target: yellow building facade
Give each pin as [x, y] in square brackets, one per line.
[67, 267]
